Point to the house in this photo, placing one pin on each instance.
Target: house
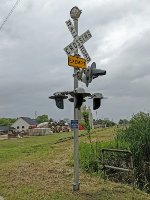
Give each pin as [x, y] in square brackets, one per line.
[24, 123]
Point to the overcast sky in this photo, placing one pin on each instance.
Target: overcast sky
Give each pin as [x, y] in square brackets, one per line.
[33, 64]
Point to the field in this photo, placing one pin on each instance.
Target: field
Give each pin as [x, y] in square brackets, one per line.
[39, 168]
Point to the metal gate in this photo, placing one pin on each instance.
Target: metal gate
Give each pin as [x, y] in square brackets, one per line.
[130, 169]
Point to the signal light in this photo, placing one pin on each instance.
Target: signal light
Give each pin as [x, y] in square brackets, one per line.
[59, 100]
[97, 97]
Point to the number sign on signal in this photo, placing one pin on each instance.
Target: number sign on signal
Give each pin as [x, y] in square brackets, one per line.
[76, 62]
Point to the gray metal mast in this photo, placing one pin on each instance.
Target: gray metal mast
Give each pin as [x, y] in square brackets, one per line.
[75, 14]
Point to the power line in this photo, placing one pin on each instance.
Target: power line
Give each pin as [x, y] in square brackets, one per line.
[9, 14]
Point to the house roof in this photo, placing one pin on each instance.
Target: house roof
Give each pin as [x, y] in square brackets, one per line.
[30, 121]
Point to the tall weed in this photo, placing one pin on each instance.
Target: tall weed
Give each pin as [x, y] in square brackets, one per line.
[137, 136]
[88, 157]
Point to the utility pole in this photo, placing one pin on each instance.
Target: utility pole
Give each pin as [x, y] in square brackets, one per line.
[75, 14]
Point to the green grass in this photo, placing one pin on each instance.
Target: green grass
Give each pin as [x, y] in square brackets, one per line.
[37, 168]
[28, 147]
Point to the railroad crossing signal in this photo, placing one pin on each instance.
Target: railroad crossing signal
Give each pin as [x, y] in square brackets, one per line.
[77, 42]
[78, 95]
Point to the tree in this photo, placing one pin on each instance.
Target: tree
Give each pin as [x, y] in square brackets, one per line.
[104, 122]
[7, 121]
[108, 123]
[123, 122]
[42, 118]
[51, 120]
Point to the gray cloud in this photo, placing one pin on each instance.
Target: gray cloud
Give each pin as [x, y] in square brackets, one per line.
[33, 64]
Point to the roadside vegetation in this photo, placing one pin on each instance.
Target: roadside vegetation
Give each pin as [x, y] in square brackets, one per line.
[133, 136]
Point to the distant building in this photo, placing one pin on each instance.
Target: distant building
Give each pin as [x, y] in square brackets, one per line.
[24, 123]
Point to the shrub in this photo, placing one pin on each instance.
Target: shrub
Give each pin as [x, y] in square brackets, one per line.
[137, 136]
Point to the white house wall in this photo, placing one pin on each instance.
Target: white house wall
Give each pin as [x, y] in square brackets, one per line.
[20, 125]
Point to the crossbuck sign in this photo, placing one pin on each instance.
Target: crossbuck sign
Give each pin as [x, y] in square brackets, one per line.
[77, 42]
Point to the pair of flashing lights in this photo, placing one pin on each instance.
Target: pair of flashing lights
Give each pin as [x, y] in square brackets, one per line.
[90, 73]
[78, 95]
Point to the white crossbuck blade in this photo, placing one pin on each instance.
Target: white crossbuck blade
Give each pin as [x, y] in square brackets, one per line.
[77, 42]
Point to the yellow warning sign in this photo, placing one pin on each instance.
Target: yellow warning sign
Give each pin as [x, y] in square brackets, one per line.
[76, 62]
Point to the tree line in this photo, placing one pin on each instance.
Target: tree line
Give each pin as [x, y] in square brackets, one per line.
[45, 118]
